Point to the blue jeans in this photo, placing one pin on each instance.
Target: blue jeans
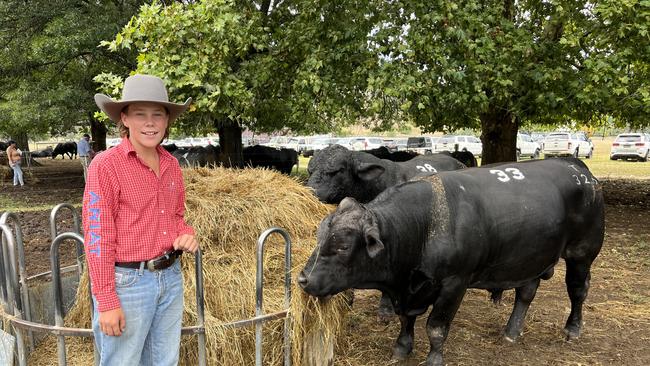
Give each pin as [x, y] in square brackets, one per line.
[18, 175]
[152, 303]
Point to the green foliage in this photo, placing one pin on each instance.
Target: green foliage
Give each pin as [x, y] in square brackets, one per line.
[299, 65]
[48, 58]
[449, 62]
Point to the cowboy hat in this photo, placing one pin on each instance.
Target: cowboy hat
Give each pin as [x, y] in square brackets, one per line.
[140, 88]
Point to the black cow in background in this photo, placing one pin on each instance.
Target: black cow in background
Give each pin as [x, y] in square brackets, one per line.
[45, 153]
[65, 148]
[170, 147]
[382, 152]
[196, 155]
[259, 156]
[465, 157]
[336, 172]
[3, 146]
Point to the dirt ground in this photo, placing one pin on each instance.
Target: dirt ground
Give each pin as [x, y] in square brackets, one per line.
[616, 314]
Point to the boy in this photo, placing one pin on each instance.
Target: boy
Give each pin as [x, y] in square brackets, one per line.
[135, 231]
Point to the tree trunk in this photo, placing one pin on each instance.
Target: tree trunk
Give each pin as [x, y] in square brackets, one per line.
[97, 133]
[21, 141]
[230, 143]
[499, 136]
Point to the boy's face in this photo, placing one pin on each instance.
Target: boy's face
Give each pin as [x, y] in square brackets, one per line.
[147, 123]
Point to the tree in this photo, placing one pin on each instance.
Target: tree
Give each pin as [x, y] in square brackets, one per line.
[263, 65]
[48, 58]
[494, 64]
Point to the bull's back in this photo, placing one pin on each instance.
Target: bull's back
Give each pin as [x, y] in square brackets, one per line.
[518, 219]
[426, 165]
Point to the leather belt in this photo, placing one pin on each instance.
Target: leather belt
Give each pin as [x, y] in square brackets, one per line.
[155, 264]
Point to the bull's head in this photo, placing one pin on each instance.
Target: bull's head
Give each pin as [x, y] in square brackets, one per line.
[334, 173]
[347, 254]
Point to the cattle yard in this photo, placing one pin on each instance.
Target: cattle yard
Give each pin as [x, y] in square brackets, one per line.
[616, 314]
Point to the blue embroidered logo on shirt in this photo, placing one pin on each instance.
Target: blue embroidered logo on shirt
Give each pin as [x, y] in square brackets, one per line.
[94, 218]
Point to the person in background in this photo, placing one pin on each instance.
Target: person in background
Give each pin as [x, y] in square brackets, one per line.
[135, 231]
[14, 156]
[85, 152]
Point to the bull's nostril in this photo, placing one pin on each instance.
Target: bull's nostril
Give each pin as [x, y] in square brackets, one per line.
[302, 280]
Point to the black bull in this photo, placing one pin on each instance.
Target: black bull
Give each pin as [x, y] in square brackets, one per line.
[425, 242]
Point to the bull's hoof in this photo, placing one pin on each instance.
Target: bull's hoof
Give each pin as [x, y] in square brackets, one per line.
[512, 336]
[401, 353]
[435, 359]
[572, 333]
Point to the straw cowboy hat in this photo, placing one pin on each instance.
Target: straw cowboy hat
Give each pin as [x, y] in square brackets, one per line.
[140, 88]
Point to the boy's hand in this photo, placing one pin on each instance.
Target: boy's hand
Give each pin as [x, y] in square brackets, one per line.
[186, 243]
[112, 322]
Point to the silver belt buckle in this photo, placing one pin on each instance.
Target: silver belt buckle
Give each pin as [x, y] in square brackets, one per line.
[150, 265]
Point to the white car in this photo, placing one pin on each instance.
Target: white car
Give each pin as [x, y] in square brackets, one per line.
[422, 144]
[567, 144]
[298, 143]
[453, 143]
[527, 147]
[360, 143]
[277, 141]
[631, 146]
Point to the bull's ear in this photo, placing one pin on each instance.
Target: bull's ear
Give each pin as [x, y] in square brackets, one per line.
[374, 246]
[369, 171]
[347, 203]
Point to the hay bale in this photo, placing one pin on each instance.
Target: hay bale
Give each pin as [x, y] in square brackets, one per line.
[229, 209]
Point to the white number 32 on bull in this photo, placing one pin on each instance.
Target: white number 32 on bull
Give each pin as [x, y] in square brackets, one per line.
[503, 176]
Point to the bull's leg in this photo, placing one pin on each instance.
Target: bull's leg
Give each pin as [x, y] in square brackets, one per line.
[443, 312]
[404, 343]
[524, 295]
[385, 311]
[496, 295]
[577, 283]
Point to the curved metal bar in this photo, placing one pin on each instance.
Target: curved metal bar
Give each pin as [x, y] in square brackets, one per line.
[56, 286]
[15, 305]
[86, 332]
[259, 292]
[76, 227]
[25, 306]
[200, 306]
[5, 219]
[55, 211]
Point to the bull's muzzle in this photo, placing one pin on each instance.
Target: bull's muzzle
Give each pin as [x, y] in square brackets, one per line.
[302, 280]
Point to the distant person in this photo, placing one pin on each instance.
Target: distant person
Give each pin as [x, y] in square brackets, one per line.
[14, 156]
[85, 153]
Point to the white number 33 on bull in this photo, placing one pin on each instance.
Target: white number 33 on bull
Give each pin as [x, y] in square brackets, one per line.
[503, 176]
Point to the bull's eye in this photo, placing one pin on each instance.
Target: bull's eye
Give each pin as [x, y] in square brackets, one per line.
[342, 248]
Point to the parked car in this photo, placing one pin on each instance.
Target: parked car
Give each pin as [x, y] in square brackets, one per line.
[631, 146]
[298, 143]
[567, 144]
[277, 141]
[527, 147]
[538, 137]
[111, 142]
[401, 143]
[317, 144]
[453, 143]
[361, 143]
[422, 144]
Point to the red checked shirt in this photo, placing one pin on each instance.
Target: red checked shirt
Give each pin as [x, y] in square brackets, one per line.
[129, 214]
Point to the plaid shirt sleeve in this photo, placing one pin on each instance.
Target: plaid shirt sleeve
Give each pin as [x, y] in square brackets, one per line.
[99, 205]
[181, 226]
